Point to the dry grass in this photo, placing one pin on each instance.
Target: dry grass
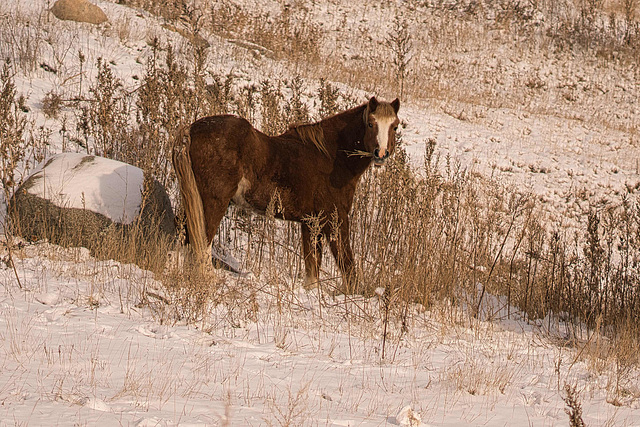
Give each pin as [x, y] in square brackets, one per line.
[22, 38]
[478, 378]
[142, 243]
[12, 132]
[574, 408]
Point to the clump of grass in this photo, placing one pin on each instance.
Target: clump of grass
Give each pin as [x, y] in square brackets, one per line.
[476, 378]
[52, 104]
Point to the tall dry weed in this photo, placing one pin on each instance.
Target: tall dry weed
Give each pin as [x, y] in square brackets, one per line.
[13, 124]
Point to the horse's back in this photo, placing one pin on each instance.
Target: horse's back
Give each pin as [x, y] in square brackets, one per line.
[218, 147]
[217, 127]
[226, 138]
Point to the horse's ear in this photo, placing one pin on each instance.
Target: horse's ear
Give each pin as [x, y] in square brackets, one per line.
[396, 105]
[373, 104]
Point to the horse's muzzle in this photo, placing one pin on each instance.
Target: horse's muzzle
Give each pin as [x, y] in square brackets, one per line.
[377, 160]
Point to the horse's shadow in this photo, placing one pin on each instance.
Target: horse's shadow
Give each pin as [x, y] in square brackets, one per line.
[228, 263]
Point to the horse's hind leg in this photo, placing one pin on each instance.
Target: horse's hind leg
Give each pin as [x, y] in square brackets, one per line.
[312, 254]
[216, 196]
[214, 210]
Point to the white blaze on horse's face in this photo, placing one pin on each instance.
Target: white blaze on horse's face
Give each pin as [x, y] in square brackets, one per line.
[385, 133]
[382, 121]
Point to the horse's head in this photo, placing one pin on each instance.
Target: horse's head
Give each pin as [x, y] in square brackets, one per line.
[381, 122]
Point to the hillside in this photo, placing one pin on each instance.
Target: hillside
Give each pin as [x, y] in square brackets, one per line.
[501, 276]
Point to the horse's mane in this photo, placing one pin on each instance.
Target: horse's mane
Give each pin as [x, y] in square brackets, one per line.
[312, 133]
[383, 109]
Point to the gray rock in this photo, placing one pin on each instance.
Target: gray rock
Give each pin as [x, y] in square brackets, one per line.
[80, 200]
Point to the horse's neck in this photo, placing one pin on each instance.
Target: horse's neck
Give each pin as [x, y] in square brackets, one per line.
[349, 130]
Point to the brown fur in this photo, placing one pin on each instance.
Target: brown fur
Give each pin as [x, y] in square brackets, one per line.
[309, 168]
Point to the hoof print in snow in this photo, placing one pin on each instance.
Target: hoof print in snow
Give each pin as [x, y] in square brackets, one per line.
[80, 200]
[79, 11]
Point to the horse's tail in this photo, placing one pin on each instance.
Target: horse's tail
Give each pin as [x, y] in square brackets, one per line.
[191, 199]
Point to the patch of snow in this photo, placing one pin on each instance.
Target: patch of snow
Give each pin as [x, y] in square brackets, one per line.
[74, 180]
[48, 298]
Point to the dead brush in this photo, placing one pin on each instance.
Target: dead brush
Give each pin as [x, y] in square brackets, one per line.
[220, 94]
[13, 124]
[474, 377]
[191, 292]
[52, 104]
[165, 101]
[22, 37]
[574, 407]
[457, 237]
[246, 103]
[273, 120]
[291, 33]
[295, 110]
[108, 112]
[280, 34]
[399, 40]
[408, 241]
[329, 98]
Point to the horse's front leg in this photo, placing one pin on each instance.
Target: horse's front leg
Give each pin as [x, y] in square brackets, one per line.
[312, 254]
[341, 250]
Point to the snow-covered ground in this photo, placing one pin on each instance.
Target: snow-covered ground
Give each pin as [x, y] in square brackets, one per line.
[89, 342]
[82, 344]
[553, 158]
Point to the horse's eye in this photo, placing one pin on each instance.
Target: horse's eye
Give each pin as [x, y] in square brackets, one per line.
[370, 125]
[395, 128]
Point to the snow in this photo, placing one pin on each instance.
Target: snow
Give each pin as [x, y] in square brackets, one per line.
[93, 342]
[74, 180]
[547, 156]
[83, 344]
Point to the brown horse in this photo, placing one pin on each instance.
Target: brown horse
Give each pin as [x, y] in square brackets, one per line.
[313, 171]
